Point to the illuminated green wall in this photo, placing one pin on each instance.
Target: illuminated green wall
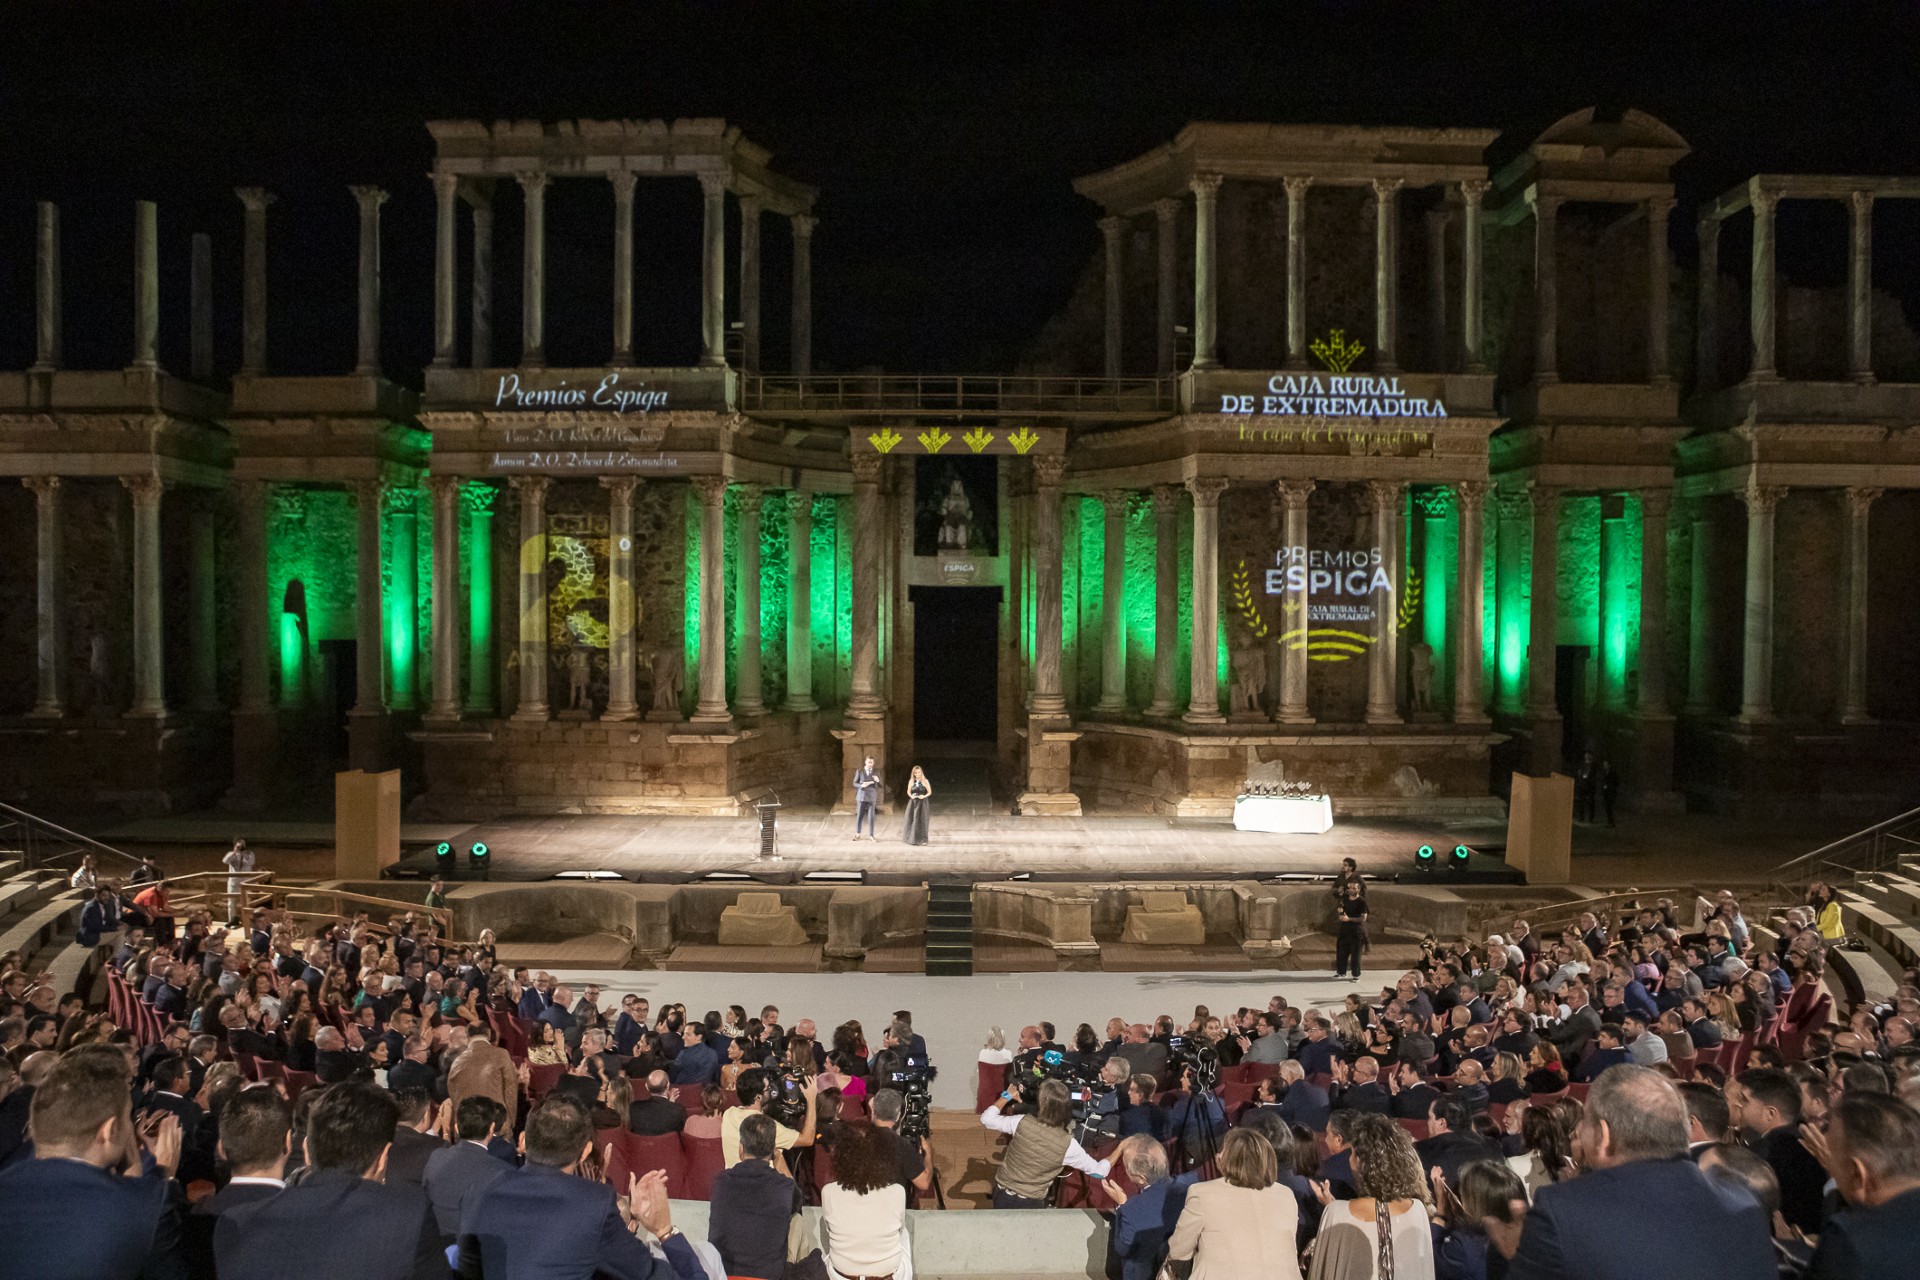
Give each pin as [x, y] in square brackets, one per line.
[1139, 602]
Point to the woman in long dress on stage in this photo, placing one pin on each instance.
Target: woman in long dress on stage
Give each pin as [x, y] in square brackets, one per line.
[918, 789]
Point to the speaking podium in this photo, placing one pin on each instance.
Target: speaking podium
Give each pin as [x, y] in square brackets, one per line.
[1540, 828]
[767, 807]
[366, 823]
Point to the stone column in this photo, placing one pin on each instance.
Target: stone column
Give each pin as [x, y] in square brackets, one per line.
[1294, 496]
[251, 585]
[800, 601]
[747, 694]
[713, 270]
[533, 271]
[253, 321]
[444, 492]
[368, 629]
[1206, 271]
[146, 289]
[1164, 213]
[370, 200]
[1049, 621]
[1659, 369]
[1113, 605]
[1756, 668]
[1111, 229]
[802, 319]
[1297, 188]
[1853, 709]
[1546, 288]
[1706, 356]
[1472, 192]
[47, 329]
[149, 666]
[1654, 506]
[446, 331]
[1437, 222]
[750, 283]
[1469, 615]
[1543, 603]
[864, 698]
[1166, 598]
[711, 493]
[1386, 274]
[50, 640]
[1700, 601]
[1860, 288]
[532, 492]
[1384, 501]
[203, 628]
[402, 630]
[621, 678]
[480, 340]
[1203, 701]
[623, 182]
[200, 307]
[478, 498]
[1760, 313]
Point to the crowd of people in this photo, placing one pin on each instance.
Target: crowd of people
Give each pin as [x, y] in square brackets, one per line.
[258, 1098]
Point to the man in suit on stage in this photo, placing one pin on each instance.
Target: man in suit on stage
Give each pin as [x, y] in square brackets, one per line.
[866, 799]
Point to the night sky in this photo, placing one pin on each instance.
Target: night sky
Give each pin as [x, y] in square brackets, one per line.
[943, 139]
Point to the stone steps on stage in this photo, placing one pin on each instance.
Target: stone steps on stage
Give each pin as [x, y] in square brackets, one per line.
[949, 928]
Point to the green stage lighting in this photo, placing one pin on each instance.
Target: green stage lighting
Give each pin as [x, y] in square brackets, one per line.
[443, 858]
[1460, 855]
[478, 858]
[1423, 858]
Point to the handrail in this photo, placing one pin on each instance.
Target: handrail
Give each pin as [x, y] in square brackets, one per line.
[1836, 853]
[442, 915]
[31, 823]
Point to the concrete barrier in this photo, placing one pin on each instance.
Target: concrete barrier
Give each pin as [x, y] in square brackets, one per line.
[978, 1244]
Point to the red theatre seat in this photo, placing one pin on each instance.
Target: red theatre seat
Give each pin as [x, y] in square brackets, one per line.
[643, 1153]
[705, 1160]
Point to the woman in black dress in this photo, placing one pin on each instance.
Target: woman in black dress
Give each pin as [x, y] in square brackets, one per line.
[918, 789]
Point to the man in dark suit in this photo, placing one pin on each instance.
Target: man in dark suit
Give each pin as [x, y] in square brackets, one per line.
[413, 1146]
[1570, 1034]
[630, 1025]
[1633, 1134]
[1770, 1122]
[1358, 1088]
[1319, 1050]
[453, 1173]
[653, 1111]
[541, 1220]
[169, 1095]
[410, 1069]
[695, 1064]
[1873, 1152]
[752, 1206]
[1301, 1101]
[1413, 1097]
[1701, 1029]
[71, 1210]
[1610, 1051]
[339, 1205]
[1451, 1142]
[256, 1129]
[333, 1062]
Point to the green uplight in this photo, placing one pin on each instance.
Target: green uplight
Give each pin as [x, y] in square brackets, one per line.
[293, 662]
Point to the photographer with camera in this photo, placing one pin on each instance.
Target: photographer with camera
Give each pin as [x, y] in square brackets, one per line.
[1041, 1147]
[1198, 1120]
[913, 1154]
[1111, 1100]
[755, 1088]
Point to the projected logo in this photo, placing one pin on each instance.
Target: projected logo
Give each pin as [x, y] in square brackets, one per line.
[1346, 594]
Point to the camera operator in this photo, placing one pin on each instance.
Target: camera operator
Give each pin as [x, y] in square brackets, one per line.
[1106, 1118]
[1197, 1118]
[914, 1156]
[1040, 1148]
[752, 1087]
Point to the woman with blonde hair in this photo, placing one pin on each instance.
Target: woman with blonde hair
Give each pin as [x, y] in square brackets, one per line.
[1385, 1233]
[1242, 1223]
[1507, 1082]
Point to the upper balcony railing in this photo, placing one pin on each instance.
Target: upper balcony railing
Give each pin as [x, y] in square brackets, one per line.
[956, 395]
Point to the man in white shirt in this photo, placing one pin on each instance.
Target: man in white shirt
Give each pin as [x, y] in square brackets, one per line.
[239, 862]
[752, 1086]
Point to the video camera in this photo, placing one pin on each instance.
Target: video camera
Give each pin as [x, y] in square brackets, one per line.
[1036, 1066]
[1199, 1057]
[787, 1097]
[915, 1120]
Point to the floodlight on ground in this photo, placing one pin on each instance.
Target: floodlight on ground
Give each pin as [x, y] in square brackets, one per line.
[1423, 858]
[443, 859]
[479, 858]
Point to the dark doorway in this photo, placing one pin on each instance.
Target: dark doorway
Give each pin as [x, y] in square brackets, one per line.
[1570, 698]
[339, 690]
[956, 663]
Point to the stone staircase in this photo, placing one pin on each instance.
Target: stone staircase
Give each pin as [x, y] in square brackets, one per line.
[38, 913]
[1876, 873]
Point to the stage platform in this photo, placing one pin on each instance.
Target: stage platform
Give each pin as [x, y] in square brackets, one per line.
[983, 846]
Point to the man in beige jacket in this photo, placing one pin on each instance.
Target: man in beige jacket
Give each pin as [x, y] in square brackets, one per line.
[487, 1070]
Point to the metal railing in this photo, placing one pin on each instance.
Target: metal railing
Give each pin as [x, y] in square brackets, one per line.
[956, 395]
[1877, 848]
[41, 844]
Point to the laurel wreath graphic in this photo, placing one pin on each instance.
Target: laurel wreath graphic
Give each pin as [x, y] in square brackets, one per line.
[1409, 598]
[1243, 602]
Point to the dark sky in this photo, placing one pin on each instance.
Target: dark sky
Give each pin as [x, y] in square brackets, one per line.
[943, 139]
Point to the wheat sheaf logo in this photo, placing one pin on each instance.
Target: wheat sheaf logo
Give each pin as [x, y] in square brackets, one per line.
[933, 439]
[978, 439]
[884, 439]
[1336, 352]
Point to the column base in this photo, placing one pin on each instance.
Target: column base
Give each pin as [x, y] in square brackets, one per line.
[442, 716]
[1863, 379]
[1105, 708]
[750, 710]
[1474, 718]
[1202, 718]
[47, 712]
[800, 706]
[537, 712]
[1857, 718]
[1299, 716]
[1043, 804]
[618, 711]
[1161, 711]
[144, 713]
[1384, 715]
[1756, 719]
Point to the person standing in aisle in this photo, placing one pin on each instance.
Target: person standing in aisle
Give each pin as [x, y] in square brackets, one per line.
[866, 799]
[239, 862]
[918, 810]
[1352, 939]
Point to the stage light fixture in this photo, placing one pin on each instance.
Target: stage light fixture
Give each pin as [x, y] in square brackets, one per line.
[1423, 858]
[479, 858]
[443, 860]
[1460, 855]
